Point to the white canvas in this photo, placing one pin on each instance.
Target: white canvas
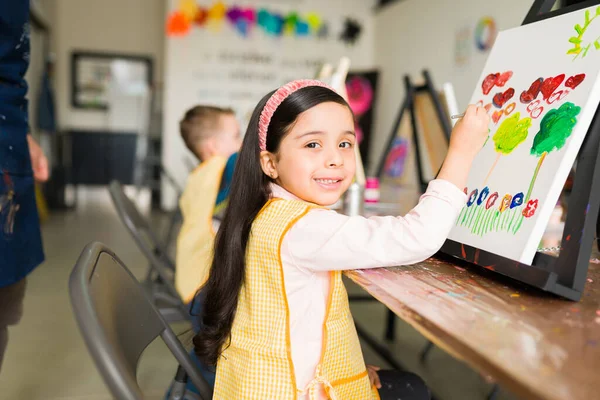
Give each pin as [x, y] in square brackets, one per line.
[569, 45]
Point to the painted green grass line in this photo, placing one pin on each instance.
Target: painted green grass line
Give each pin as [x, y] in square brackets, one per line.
[496, 220]
[492, 215]
[488, 225]
[470, 214]
[462, 214]
[459, 215]
[518, 226]
[474, 220]
[502, 218]
[506, 219]
[476, 224]
[465, 217]
[473, 212]
[471, 218]
[493, 220]
[482, 222]
[513, 218]
[468, 217]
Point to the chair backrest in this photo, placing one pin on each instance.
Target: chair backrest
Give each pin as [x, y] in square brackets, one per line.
[142, 233]
[136, 223]
[118, 321]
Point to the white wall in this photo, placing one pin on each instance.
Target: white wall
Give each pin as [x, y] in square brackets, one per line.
[195, 72]
[116, 26]
[412, 35]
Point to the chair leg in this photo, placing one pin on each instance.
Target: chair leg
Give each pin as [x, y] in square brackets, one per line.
[426, 351]
[494, 393]
[178, 388]
[149, 274]
[386, 354]
[390, 332]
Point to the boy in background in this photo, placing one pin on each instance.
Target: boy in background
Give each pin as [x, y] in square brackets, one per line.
[212, 134]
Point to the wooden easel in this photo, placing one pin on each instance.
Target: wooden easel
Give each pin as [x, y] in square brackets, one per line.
[564, 275]
[408, 105]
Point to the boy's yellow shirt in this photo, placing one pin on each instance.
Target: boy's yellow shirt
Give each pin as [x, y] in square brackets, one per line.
[196, 238]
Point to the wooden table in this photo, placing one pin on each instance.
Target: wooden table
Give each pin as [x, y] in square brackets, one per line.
[535, 344]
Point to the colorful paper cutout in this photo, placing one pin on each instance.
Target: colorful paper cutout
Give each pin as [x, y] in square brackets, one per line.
[243, 19]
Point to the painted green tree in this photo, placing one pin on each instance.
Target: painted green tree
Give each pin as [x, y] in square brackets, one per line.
[511, 133]
[555, 128]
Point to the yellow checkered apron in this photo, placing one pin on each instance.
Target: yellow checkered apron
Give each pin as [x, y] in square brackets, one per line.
[257, 362]
[196, 237]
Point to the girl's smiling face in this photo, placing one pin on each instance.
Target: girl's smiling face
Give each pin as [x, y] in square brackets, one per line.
[315, 160]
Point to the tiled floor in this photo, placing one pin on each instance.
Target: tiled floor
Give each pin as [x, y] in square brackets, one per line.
[47, 359]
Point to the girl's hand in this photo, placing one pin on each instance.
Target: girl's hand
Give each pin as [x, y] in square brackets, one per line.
[468, 137]
[373, 376]
[469, 134]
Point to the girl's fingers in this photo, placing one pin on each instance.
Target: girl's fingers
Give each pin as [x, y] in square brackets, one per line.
[374, 376]
[376, 380]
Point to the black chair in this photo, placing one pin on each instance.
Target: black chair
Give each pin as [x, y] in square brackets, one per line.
[118, 321]
[159, 280]
[175, 217]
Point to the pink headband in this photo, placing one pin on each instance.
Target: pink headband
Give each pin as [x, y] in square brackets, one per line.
[275, 100]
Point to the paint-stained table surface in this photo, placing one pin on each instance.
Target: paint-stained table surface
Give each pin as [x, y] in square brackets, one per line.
[535, 344]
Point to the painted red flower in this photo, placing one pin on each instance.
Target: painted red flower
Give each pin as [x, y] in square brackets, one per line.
[530, 209]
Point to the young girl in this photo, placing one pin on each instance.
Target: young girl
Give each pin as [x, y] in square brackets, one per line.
[276, 321]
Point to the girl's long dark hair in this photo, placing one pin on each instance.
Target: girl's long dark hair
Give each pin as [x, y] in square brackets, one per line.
[249, 193]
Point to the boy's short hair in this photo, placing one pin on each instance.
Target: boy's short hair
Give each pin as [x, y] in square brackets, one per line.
[200, 123]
